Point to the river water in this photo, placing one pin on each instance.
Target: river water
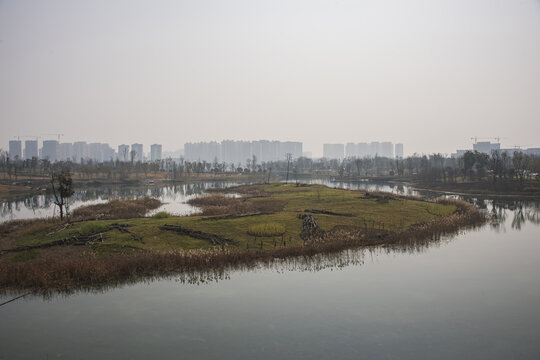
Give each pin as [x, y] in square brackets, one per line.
[475, 295]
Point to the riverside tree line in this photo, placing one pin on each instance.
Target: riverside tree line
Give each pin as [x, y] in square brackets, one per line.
[472, 166]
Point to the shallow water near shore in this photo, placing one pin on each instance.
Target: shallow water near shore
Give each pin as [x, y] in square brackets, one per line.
[474, 295]
[174, 198]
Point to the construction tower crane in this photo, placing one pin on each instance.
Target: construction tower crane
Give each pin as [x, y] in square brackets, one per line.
[56, 135]
[497, 138]
[30, 137]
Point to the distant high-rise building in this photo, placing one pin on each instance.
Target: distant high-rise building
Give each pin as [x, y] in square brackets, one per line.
[137, 150]
[374, 149]
[486, 147]
[334, 151]
[387, 150]
[50, 150]
[155, 152]
[123, 153]
[363, 150]
[238, 152]
[399, 151]
[65, 152]
[15, 149]
[351, 150]
[80, 151]
[94, 152]
[107, 152]
[30, 149]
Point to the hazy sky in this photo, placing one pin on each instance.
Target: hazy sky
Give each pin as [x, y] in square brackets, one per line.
[430, 74]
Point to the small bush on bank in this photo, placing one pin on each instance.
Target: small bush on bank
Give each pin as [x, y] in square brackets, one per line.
[162, 215]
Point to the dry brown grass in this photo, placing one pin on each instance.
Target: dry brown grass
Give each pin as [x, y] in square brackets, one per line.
[117, 209]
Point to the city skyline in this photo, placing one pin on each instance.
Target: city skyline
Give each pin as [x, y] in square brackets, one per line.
[230, 151]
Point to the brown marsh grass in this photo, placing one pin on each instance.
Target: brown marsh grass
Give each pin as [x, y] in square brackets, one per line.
[117, 209]
[220, 204]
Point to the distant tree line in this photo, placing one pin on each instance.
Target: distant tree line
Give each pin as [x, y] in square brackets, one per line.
[472, 166]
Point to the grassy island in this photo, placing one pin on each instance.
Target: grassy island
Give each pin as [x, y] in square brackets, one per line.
[111, 243]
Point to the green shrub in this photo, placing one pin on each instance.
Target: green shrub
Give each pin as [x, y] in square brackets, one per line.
[162, 215]
[267, 230]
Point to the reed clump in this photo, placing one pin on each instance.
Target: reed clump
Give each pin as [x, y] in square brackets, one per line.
[266, 230]
[117, 209]
[220, 204]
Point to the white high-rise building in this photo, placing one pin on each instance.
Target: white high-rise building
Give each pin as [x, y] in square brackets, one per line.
[155, 152]
[94, 152]
[486, 147]
[351, 150]
[30, 149]
[387, 150]
[363, 150]
[137, 150]
[399, 151]
[80, 151]
[123, 153]
[50, 150]
[65, 152]
[15, 150]
[374, 149]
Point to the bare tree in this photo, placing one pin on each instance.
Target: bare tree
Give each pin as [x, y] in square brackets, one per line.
[520, 162]
[253, 163]
[62, 187]
[269, 173]
[289, 159]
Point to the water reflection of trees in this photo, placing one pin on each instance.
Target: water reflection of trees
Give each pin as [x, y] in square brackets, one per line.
[520, 211]
[37, 204]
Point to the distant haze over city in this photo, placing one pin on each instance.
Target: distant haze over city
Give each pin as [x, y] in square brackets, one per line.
[428, 74]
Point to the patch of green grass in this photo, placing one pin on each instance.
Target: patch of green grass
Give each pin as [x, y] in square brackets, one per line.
[92, 227]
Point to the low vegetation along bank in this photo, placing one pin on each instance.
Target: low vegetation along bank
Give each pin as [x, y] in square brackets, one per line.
[108, 244]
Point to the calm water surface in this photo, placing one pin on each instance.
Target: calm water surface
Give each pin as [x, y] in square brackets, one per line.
[473, 296]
